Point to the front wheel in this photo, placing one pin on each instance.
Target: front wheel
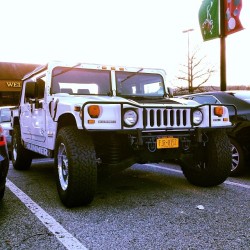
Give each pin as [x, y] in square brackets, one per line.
[2, 193]
[212, 165]
[238, 161]
[21, 157]
[75, 164]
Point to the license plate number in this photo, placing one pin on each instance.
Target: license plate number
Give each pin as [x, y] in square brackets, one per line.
[167, 142]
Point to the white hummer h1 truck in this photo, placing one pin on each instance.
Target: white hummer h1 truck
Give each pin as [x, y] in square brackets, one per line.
[95, 119]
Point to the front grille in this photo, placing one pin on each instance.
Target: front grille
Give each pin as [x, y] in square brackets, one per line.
[166, 118]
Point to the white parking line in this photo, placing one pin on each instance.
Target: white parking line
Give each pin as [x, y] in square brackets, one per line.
[164, 168]
[237, 184]
[68, 240]
[179, 171]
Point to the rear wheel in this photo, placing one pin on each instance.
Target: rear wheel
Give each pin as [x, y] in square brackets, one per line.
[212, 165]
[75, 163]
[21, 157]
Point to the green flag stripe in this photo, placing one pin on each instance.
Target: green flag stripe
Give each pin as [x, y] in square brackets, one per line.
[209, 19]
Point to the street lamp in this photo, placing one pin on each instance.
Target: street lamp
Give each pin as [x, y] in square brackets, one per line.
[189, 75]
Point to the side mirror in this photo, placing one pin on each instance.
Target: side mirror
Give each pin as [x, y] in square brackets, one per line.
[170, 92]
[30, 90]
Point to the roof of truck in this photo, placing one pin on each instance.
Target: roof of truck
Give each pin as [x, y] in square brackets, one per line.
[53, 64]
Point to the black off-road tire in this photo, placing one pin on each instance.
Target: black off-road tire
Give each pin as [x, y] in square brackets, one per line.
[4, 171]
[75, 167]
[21, 157]
[2, 193]
[238, 159]
[216, 166]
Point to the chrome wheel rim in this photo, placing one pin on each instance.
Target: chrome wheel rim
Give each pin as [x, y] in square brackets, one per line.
[63, 167]
[235, 157]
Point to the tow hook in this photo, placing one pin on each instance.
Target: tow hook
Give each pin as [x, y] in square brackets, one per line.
[151, 146]
[201, 137]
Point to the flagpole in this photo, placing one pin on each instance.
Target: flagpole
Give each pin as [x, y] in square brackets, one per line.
[223, 78]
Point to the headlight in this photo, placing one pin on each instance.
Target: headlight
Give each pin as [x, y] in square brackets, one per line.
[130, 117]
[197, 117]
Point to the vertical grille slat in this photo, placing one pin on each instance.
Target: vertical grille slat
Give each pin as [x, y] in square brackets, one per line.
[162, 118]
[175, 118]
[181, 117]
[167, 118]
[155, 117]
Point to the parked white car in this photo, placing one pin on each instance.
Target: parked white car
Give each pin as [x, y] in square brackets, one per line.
[5, 118]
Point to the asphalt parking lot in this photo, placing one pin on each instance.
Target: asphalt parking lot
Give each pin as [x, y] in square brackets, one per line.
[148, 206]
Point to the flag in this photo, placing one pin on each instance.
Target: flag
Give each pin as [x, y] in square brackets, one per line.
[209, 19]
[232, 16]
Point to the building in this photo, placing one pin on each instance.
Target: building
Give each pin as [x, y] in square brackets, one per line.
[11, 75]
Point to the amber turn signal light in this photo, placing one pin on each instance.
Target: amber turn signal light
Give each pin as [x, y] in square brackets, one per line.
[94, 111]
[218, 111]
[77, 108]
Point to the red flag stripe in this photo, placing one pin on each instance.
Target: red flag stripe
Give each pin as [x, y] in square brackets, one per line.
[232, 16]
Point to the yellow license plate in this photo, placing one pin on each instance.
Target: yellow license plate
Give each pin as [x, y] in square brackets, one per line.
[167, 142]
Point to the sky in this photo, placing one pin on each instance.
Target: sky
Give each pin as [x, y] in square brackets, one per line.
[140, 33]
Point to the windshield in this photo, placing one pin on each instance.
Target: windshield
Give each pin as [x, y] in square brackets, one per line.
[80, 81]
[139, 84]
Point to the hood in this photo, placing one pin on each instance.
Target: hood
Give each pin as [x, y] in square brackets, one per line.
[66, 99]
[76, 99]
[186, 102]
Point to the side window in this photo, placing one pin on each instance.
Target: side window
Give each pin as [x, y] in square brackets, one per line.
[29, 93]
[34, 92]
[40, 87]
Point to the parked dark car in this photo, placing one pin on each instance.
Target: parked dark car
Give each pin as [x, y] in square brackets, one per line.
[241, 94]
[4, 162]
[240, 134]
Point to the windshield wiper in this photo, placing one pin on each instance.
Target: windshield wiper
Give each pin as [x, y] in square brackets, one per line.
[66, 70]
[134, 74]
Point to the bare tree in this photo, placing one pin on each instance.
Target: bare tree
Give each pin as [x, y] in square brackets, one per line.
[196, 73]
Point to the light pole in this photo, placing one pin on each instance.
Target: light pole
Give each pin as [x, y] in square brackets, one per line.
[189, 75]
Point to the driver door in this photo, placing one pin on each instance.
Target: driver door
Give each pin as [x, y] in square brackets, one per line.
[32, 117]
